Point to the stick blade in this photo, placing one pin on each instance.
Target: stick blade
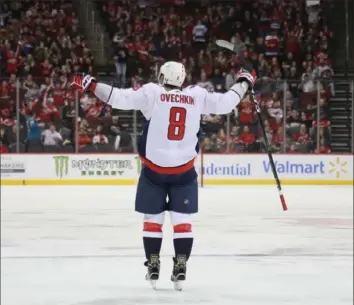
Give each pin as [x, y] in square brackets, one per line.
[225, 44]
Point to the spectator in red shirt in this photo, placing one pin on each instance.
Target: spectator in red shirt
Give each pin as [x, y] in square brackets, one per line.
[276, 112]
[303, 140]
[272, 43]
[84, 139]
[325, 123]
[46, 68]
[12, 59]
[6, 119]
[246, 111]
[302, 137]
[58, 94]
[47, 111]
[91, 107]
[292, 38]
[248, 138]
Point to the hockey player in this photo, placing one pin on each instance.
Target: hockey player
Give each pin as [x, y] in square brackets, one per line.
[167, 148]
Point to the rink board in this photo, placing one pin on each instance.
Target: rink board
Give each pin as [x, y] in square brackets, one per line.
[218, 169]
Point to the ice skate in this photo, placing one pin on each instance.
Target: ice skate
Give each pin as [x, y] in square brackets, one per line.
[179, 271]
[153, 270]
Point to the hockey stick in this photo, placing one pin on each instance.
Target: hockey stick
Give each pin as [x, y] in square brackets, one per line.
[270, 156]
[232, 47]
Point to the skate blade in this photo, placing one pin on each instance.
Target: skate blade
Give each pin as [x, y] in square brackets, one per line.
[153, 284]
[152, 279]
[177, 285]
[177, 281]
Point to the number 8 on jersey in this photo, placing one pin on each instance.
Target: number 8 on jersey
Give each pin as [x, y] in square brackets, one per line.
[177, 125]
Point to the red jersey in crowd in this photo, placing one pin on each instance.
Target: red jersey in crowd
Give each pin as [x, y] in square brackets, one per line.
[271, 45]
[292, 38]
[246, 111]
[58, 96]
[92, 110]
[84, 139]
[46, 69]
[6, 121]
[277, 138]
[247, 137]
[323, 123]
[301, 138]
[49, 113]
[70, 95]
[12, 59]
[322, 59]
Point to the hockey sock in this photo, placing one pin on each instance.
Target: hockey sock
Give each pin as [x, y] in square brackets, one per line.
[183, 239]
[152, 238]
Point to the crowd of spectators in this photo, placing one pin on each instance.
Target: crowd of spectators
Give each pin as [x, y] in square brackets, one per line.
[40, 48]
[287, 43]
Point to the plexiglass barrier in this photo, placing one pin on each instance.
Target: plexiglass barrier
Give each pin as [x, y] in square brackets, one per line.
[46, 115]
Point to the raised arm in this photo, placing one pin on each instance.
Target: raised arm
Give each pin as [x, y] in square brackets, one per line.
[125, 99]
[223, 103]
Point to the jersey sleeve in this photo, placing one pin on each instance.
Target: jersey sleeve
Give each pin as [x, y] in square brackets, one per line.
[223, 103]
[126, 99]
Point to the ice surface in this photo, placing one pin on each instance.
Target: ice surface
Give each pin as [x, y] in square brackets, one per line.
[82, 246]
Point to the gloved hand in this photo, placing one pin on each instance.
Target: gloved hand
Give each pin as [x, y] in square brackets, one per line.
[245, 76]
[84, 83]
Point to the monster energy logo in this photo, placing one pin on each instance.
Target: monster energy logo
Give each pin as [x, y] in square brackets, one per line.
[61, 165]
[94, 166]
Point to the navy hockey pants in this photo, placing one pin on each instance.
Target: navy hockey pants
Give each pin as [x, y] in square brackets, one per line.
[157, 193]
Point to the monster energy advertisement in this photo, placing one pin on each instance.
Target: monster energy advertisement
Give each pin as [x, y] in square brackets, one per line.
[94, 167]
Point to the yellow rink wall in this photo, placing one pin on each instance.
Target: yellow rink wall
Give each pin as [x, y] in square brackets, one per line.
[218, 169]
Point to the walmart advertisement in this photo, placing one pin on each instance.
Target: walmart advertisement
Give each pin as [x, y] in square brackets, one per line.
[101, 169]
[291, 169]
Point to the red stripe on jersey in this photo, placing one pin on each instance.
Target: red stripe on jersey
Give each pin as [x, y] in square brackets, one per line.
[182, 228]
[152, 227]
[93, 86]
[168, 170]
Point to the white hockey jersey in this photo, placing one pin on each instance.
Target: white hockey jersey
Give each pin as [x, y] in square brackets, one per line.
[169, 141]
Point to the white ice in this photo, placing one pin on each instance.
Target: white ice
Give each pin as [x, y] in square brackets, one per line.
[82, 246]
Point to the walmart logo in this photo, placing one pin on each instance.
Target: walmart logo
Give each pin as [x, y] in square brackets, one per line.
[338, 167]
